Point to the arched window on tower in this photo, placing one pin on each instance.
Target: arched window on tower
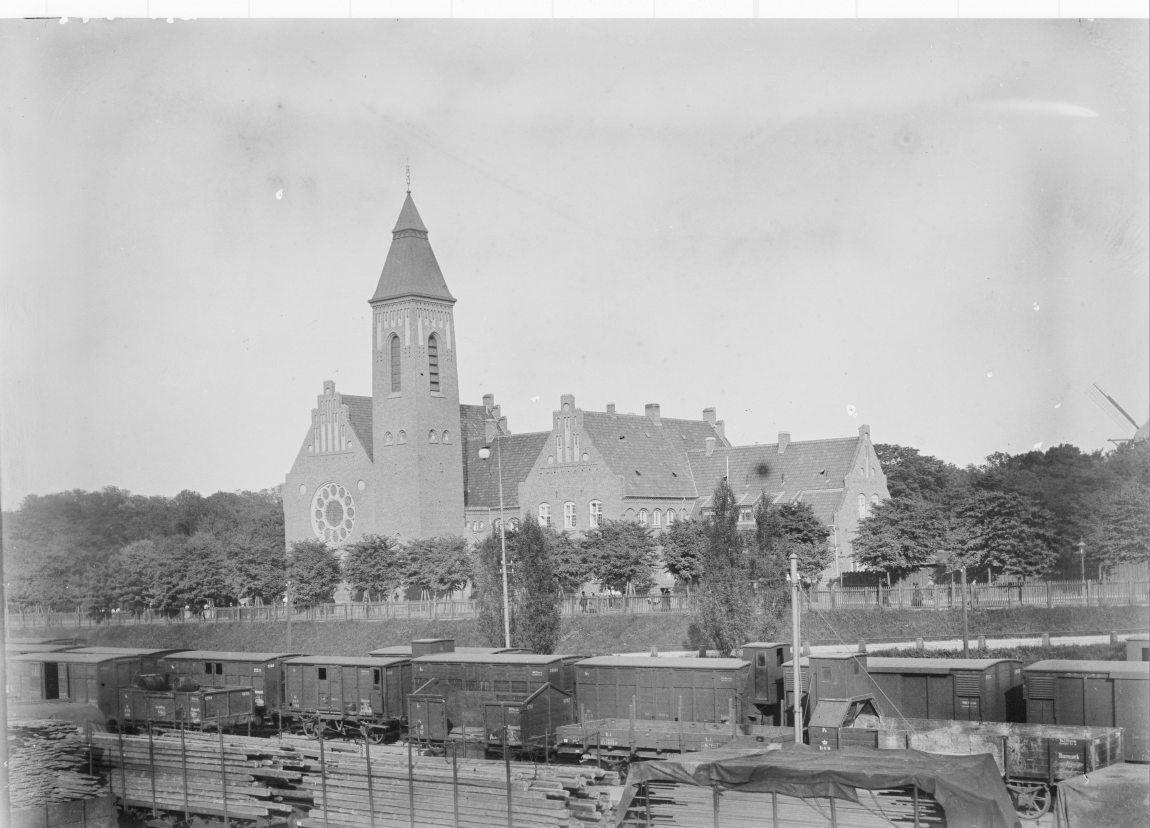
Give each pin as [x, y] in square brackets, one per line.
[642, 517]
[657, 518]
[396, 376]
[433, 362]
[862, 506]
[670, 516]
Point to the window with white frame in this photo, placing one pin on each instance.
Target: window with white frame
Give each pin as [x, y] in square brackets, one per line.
[643, 519]
[544, 514]
[596, 513]
[746, 515]
[569, 515]
[657, 517]
[670, 516]
[862, 506]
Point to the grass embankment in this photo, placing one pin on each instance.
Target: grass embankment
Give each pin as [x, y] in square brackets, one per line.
[1027, 655]
[607, 633]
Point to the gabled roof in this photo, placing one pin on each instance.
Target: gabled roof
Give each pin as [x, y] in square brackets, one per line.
[518, 453]
[650, 457]
[410, 268]
[810, 471]
[359, 415]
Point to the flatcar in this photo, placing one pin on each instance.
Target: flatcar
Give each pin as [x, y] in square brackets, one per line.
[1099, 693]
[347, 694]
[262, 672]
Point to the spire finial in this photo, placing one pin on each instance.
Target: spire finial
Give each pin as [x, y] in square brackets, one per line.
[408, 165]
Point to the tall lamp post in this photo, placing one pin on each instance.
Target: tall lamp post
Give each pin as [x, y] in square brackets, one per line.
[485, 453]
[1082, 560]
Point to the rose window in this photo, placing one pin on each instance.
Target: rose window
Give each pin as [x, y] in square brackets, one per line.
[332, 513]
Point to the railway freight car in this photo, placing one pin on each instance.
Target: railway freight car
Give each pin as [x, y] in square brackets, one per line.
[80, 678]
[661, 688]
[514, 674]
[827, 676]
[149, 657]
[347, 694]
[223, 708]
[1138, 648]
[967, 689]
[764, 692]
[262, 672]
[1097, 693]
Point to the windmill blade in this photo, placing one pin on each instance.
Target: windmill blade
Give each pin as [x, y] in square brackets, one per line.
[1121, 410]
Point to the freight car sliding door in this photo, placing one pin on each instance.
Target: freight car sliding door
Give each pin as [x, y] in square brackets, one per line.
[330, 688]
[1131, 701]
[1068, 707]
[1099, 702]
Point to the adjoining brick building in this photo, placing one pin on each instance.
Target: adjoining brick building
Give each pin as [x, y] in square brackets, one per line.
[404, 462]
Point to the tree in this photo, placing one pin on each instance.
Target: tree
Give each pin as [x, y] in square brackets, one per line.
[1007, 533]
[573, 568]
[1119, 528]
[438, 566]
[314, 572]
[900, 536]
[375, 567]
[487, 589]
[790, 527]
[910, 474]
[622, 555]
[725, 611]
[537, 621]
[684, 549]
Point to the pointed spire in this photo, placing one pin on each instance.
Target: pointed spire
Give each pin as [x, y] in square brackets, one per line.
[410, 268]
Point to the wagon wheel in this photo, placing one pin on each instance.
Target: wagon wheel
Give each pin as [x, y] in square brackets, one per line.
[1031, 799]
[310, 728]
[376, 735]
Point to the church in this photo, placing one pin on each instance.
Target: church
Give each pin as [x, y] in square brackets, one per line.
[405, 462]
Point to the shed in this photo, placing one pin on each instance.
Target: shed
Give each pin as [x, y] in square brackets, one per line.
[1102, 693]
[966, 689]
[661, 688]
[263, 672]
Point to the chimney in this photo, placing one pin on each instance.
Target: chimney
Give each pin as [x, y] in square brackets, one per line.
[652, 410]
[721, 429]
[710, 446]
[709, 415]
[864, 431]
[610, 408]
[488, 401]
[784, 441]
[495, 415]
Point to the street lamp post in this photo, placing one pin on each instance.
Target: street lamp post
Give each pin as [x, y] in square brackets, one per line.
[485, 453]
[1082, 560]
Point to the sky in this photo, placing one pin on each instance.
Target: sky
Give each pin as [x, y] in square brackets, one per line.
[939, 229]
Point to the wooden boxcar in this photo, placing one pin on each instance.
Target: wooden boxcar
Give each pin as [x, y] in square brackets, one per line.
[149, 658]
[661, 688]
[406, 650]
[530, 725]
[765, 683]
[1096, 693]
[970, 689]
[826, 676]
[347, 693]
[213, 707]
[513, 674]
[17, 647]
[1138, 648]
[82, 678]
[262, 672]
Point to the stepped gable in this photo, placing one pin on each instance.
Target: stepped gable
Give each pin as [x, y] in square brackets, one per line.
[811, 471]
[649, 456]
[411, 268]
[481, 477]
[359, 415]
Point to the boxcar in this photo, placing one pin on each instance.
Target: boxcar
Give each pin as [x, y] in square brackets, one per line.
[826, 676]
[1138, 648]
[968, 689]
[1097, 693]
[347, 693]
[513, 674]
[406, 650]
[530, 725]
[17, 647]
[82, 678]
[427, 646]
[149, 658]
[262, 672]
[661, 688]
[765, 683]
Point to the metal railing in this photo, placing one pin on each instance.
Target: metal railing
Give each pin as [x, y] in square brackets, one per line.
[1046, 594]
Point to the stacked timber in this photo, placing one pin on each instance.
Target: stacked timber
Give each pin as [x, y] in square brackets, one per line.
[447, 791]
[201, 774]
[48, 764]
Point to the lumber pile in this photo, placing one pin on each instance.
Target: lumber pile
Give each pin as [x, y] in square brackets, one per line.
[48, 763]
[253, 780]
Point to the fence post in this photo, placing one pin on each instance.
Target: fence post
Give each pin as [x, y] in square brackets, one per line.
[1048, 602]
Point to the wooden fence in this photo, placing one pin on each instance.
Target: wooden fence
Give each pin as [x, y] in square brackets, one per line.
[939, 597]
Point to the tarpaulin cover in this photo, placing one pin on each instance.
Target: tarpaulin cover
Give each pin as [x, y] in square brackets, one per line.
[1116, 795]
[968, 788]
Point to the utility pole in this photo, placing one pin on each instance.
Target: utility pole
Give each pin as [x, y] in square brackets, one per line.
[965, 621]
[796, 648]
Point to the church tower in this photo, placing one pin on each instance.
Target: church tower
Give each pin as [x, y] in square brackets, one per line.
[415, 390]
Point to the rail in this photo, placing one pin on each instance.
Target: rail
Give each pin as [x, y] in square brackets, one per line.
[1048, 594]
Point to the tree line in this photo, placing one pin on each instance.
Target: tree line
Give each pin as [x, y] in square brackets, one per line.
[1015, 516]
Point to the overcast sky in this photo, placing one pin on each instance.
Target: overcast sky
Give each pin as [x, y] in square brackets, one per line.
[938, 229]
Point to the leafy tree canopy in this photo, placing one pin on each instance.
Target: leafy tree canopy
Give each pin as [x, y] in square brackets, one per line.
[537, 627]
[438, 566]
[910, 474]
[375, 566]
[622, 555]
[314, 571]
[786, 528]
[725, 605]
[684, 548]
